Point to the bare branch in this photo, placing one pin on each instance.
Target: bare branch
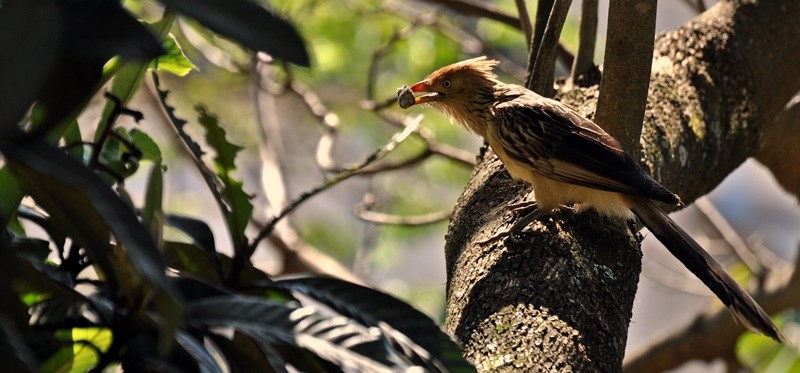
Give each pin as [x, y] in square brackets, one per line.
[781, 143]
[584, 57]
[729, 234]
[525, 21]
[541, 77]
[626, 70]
[411, 126]
[364, 212]
[479, 9]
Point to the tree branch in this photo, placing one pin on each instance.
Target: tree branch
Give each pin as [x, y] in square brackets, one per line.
[626, 70]
[584, 57]
[541, 78]
[562, 295]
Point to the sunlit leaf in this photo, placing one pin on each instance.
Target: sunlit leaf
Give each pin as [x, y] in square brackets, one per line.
[174, 61]
[146, 145]
[83, 351]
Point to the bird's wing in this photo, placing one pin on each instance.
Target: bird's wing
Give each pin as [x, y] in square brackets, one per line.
[562, 145]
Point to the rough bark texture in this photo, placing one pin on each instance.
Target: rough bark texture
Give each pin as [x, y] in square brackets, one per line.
[561, 297]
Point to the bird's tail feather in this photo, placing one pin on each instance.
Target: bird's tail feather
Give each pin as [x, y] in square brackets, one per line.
[699, 262]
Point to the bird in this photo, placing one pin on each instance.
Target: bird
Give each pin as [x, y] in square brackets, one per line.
[570, 160]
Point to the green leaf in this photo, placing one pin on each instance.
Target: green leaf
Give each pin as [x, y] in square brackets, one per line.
[152, 213]
[191, 259]
[237, 207]
[426, 343]
[174, 61]
[201, 236]
[253, 26]
[82, 353]
[146, 145]
[29, 55]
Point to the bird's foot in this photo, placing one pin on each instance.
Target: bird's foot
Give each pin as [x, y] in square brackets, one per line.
[531, 213]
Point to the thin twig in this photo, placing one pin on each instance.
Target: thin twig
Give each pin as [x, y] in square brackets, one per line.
[729, 234]
[479, 9]
[411, 126]
[525, 21]
[363, 211]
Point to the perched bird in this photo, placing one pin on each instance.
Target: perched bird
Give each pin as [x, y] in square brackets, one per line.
[569, 159]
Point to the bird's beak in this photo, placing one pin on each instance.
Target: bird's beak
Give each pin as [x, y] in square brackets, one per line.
[423, 87]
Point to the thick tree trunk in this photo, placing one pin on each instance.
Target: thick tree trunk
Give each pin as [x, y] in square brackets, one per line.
[561, 297]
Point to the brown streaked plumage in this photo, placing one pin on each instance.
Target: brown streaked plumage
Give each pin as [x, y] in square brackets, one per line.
[570, 159]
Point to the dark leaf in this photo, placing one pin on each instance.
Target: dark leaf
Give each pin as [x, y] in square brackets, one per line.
[201, 236]
[34, 248]
[252, 25]
[78, 199]
[97, 30]
[16, 356]
[152, 213]
[193, 289]
[57, 235]
[333, 339]
[30, 32]
[190, 259]
[425, 344]
[242, 353]
[195, 348]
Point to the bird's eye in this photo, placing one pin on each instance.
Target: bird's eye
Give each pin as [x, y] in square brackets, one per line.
[446, 84]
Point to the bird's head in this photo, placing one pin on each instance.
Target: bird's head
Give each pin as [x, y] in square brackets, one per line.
[460, 84]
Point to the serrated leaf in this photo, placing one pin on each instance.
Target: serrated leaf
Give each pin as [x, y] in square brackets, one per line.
[174, 61]
[252, 25]
[238, 208]
[426, 343]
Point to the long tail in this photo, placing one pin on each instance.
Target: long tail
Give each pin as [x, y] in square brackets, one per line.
[696, 260]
